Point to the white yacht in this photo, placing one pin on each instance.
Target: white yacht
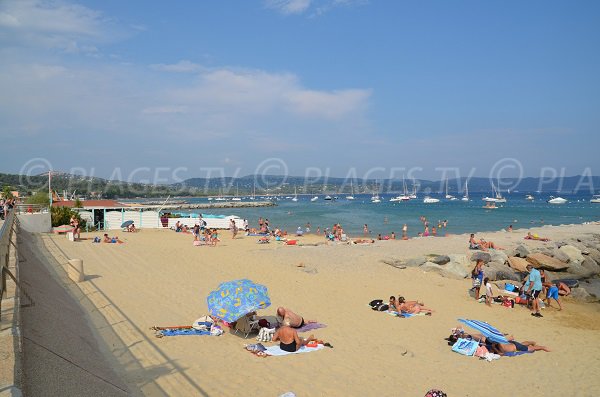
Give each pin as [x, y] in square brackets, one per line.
[529, 197]
[314, 199]
[430, 200]
[595, 199]
[556, 200]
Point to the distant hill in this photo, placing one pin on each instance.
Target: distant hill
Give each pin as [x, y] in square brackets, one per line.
[277, 184]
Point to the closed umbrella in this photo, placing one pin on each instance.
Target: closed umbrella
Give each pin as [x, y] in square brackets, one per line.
[486, 330]
[234, 299]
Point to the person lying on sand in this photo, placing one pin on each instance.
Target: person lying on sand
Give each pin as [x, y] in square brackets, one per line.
[288, 338]
[535, 237]
[114, 240]
[295, 321]
[514, 346]
[482, 244]
[412, 307]
[362, 241]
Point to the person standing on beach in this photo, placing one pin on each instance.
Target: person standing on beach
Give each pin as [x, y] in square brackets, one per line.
[260, 223]
[405, 232]
[233, 227]
[426, 232]
[477, 276]
[365, 230]
[535, 288]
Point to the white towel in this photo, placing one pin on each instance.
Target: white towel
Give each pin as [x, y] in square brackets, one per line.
[276, 350]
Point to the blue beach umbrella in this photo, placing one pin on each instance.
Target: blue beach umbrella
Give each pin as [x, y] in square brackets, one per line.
[233, 299]
[486, 330]
[127, 223]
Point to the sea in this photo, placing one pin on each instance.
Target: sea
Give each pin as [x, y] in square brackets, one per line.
[387, 217]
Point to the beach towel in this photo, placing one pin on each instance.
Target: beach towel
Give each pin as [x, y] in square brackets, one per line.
[276, 350]
[514, 354]
[465, 346]
[310, 326]
[180, 331]
[404, 315]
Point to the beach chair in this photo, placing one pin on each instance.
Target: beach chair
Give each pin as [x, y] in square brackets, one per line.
[246, 325]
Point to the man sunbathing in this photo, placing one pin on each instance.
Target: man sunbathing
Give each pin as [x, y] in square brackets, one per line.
[288, 338]
[535, 237]
[114, 240]
[482, 244]
[294, 320]
[514, 346]
[411, 307]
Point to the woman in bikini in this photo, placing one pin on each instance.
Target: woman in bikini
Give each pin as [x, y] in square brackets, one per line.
[411, 307]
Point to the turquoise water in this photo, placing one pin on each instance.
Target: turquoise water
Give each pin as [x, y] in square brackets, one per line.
[463, 217]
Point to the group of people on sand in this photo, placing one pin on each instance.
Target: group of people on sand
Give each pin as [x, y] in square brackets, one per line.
[501, 349]
[287, 333]
[535, 287]
[107, 239]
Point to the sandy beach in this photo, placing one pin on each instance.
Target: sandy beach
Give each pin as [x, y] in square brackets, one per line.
[159, 278]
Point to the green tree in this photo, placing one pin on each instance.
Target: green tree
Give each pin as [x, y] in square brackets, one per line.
[78, 203]
[40, 198]
[7, 192]
[62, 216]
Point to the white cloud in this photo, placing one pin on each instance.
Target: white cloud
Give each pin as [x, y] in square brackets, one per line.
[53, 24]
[183, 66]
[313, 7]
[288, 7]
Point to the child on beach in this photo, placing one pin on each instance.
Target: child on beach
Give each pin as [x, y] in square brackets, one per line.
[489, 295]
[477, 276]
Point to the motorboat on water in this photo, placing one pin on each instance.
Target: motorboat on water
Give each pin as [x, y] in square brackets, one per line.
[529, 197]
[328, 198]
[595, 199]
[430, 200]
[556, 200]
[314, 199]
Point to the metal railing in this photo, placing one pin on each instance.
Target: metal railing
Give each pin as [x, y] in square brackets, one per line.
[6, 232]
[30, 208]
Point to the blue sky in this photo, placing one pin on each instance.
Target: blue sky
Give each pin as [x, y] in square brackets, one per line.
[338, 86]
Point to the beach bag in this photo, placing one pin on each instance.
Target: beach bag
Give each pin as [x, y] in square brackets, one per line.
[375, 303]
[264, 323]
[465, 346]
[509, 287]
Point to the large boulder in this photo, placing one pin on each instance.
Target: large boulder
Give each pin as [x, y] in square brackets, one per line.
[542, 261]
[560, 255]
[590, 265]
[500, 271]
[573, 253]
[479, 255]
[580, 294]
[440, 259]
[498, 256]
[450, 270]
[521, 251]
[415, 262]
[518, 264]
[592, 287]
[594, 254]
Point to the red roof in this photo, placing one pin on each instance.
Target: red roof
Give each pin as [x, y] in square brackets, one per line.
[89, 203]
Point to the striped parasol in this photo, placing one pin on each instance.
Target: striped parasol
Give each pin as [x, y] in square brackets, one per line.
[486, 330]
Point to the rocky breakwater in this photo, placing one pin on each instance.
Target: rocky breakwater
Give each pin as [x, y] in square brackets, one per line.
[577, 258]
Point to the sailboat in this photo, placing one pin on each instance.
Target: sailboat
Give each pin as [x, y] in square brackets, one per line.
[466, 196]
[375, 198]
[253, 191]
[220, 198]
[414, 193]
[499, 198]
[494, 197]
[404, 196]
[351, 196]
[449, 196]
[295, 198]
[237, 194]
